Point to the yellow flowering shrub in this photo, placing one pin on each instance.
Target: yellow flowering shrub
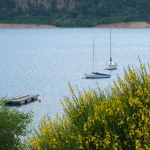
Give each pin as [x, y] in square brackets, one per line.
[117, 118]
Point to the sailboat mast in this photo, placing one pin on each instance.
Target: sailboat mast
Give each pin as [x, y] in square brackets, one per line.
[93, 57]
[110, 46]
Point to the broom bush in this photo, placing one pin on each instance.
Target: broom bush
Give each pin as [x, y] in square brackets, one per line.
[117, 118]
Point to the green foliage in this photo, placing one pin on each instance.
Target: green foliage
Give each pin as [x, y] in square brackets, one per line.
[117, 118]
[83, 15]
[13, 126]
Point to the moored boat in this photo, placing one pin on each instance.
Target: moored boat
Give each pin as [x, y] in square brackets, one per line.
[96, 75]
[111, 65]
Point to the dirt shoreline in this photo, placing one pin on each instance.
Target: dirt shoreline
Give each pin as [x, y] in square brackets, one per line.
[115, 25]
[5, 25]
[126, 25]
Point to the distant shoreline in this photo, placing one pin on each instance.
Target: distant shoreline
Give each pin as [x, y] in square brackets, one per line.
[115, 25]
[5, 25]
[126, 25]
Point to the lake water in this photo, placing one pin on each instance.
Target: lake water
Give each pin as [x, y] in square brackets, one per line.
[44, 61]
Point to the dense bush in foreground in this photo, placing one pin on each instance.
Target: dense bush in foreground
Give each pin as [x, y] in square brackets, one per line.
[115, 119]
[13, 126]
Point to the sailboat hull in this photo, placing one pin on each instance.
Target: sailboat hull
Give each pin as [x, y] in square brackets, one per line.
[111, 66]
[96, 75]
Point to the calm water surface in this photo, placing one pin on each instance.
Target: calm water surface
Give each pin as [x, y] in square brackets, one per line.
[44, 61]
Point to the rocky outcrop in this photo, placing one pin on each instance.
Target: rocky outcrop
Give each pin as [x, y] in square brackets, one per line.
[25, 4]
[69, 4]
[21, 4]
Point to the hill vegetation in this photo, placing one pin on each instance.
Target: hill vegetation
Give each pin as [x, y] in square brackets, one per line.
[85, 13]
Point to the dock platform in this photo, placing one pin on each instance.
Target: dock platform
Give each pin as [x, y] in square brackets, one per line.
[23, 99]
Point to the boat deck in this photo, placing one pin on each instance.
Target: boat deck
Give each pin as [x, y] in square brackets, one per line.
[22, 99]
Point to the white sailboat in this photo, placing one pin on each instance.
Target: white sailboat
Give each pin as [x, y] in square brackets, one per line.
[111, 64]
[95, 75]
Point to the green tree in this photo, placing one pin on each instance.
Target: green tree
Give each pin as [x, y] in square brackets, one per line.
[13, 126]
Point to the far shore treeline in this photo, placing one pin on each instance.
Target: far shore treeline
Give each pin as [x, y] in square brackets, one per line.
[86, 13]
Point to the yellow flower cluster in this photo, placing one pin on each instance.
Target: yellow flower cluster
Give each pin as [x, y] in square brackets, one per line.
[114, 119]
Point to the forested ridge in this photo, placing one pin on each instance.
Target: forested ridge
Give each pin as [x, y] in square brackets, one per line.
[74, 13]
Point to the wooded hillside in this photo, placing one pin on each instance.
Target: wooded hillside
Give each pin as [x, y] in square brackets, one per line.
[73, 13]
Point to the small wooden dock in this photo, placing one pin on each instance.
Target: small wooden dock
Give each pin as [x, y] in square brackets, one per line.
[23, 99]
